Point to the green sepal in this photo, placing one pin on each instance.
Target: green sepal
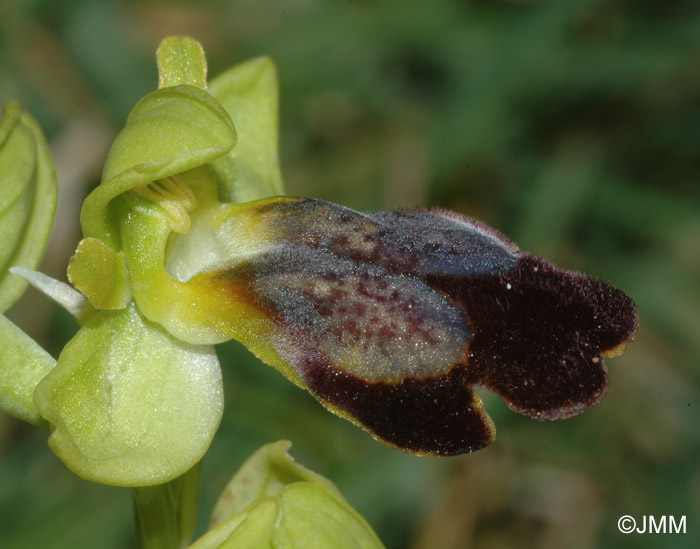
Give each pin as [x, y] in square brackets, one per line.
[23, 364]
[253, 529]
[128, 404]
[250, 94]
[27, 198]
[272, 501]
[264, 474]
[169, 131]
[181, 60]
[310, 516]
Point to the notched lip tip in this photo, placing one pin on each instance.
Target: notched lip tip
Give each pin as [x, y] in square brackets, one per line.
[618, 349]
[621, 347]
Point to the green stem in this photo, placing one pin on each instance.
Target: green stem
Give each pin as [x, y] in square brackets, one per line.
[166, 514]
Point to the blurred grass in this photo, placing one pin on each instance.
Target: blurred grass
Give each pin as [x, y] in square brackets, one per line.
[573, 127]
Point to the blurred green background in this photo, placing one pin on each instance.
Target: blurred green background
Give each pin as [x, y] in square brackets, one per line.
[573, 127]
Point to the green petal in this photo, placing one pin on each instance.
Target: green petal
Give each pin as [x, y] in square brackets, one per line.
[27, 198]
[274, 502]
[23, 364]
[100, 274]
[249, 92]
[169, 131]
[129, 404]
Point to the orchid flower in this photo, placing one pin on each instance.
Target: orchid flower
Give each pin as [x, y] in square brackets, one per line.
[390, 319]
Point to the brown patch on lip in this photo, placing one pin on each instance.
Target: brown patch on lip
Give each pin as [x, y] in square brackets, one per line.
[540, 334]
[429, 416]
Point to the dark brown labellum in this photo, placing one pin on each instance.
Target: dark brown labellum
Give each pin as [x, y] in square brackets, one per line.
[391, 319]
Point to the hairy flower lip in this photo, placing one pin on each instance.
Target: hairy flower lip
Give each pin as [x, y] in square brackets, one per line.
[345, 323]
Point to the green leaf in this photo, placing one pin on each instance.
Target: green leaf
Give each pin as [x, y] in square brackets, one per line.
[169, 131]
[249, 92]
[274, 502]
[27, 198]
[129, 404]
[23, 364]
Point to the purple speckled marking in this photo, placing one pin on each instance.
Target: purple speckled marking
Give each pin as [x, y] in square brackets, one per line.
[373, 324]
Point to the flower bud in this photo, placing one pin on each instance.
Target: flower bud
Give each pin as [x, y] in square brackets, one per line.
[274, 502]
